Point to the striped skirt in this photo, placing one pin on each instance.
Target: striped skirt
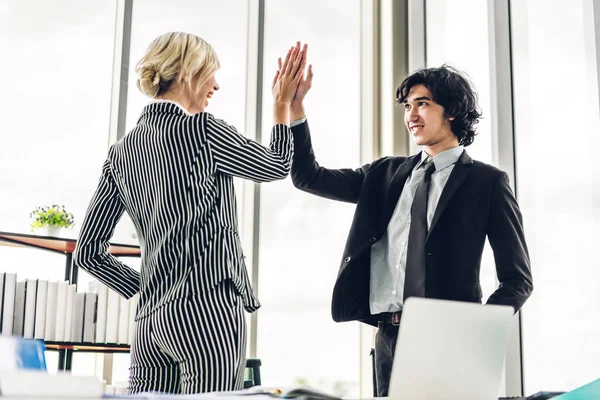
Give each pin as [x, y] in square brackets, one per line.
[191, 345]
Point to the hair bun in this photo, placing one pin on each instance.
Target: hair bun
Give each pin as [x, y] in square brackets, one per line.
[148, 81]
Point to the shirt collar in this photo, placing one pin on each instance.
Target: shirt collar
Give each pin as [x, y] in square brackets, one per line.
[444, 159]
[172, 102]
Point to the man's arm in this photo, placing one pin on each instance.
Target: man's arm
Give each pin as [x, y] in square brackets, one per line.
[505, 233]
[238, 156]
[309, 176]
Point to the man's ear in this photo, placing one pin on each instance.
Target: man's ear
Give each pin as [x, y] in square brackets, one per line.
[450, 118]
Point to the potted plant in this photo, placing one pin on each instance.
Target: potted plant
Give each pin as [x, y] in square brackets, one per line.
[48, 221]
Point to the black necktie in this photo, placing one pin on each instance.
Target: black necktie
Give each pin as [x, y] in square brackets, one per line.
[414, 282]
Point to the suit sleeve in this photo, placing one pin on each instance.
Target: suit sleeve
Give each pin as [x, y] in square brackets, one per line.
[309, 176]
[91, 254]
[506, 236]
[236, 155]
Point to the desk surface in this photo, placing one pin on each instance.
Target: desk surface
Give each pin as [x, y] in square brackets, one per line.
[63, 245]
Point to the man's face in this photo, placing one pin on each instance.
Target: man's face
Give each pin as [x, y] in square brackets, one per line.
[425, 120]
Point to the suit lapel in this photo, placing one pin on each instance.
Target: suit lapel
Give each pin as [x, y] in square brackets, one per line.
[395, 188]
[458, 175]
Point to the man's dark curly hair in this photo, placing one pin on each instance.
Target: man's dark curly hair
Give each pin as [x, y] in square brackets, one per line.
[452, 90]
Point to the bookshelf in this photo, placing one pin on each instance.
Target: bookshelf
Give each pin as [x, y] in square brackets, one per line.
[67, 247]
[88, 347]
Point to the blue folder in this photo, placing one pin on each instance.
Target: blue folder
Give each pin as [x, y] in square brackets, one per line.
[587, 392]
[20, 353]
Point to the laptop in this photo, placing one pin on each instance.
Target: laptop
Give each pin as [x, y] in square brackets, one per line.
[450, 350]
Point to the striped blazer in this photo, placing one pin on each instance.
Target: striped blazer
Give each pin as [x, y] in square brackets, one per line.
[173, 174]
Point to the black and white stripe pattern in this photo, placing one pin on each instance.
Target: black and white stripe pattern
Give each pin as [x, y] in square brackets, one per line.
[191, 345]
[173, 175]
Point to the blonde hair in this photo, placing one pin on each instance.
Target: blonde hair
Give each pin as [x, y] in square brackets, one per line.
[173, 57]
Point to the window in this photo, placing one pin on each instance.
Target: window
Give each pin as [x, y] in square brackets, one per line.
[58, 71]
[457, 34]
[302, 236]
[206, 19]
[557, 124]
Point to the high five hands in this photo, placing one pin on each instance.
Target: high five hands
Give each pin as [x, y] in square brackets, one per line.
[287, 78]
[305, 83]
[290, 86]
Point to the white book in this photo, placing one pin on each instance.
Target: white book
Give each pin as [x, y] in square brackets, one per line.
[35, 384]
[8, 306]
[89, 317]
[112, 316]
[50, 329]
[61, 311]
[29, 318]
[40, 310]
[123, 336]
[1, 297]
[77, 325]
[133, 302]
[19, 317]
[102, 291]
[69, 312]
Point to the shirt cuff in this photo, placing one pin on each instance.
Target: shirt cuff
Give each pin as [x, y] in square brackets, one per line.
[297, 122]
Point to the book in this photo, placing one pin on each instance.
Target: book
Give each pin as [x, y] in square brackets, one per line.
[50, 329]
[29, 317]
[112, 317]
[132, 312]
[1, 298]
[39, 330]
[77, 324]
[102, 291]
[123, 330]
[89, 316]
[253, 393]
[61, 311]
[19, 316]
[291, 393]
[69, 312]
[8, 306]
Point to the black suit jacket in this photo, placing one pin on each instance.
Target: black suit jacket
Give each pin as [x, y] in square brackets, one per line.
[476, 202]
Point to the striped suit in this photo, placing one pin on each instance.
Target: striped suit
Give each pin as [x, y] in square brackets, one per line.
[173, 175]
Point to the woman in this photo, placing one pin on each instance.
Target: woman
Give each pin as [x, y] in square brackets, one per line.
[173, 175]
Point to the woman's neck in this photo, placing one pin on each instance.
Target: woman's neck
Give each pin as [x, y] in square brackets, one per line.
[183, 99]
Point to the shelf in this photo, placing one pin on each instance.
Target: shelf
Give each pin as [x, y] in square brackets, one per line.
[61, 245]
[88, 347]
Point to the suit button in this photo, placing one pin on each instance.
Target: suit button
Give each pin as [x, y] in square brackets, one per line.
[347, 259]
[372, 239]
[429, 254]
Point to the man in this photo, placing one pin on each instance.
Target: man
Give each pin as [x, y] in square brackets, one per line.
[420, 222]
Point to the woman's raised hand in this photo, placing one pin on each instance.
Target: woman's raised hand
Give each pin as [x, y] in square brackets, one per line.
[287, 78]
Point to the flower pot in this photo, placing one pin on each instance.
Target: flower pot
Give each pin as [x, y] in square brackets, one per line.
[49, 230]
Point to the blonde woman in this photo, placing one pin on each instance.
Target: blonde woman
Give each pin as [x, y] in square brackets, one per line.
[173, 174]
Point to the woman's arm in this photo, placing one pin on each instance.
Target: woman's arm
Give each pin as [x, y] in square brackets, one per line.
[91, 254]
[236, 155]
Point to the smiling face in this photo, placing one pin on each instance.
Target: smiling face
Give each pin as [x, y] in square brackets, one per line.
[427, 123]
[206, 91]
